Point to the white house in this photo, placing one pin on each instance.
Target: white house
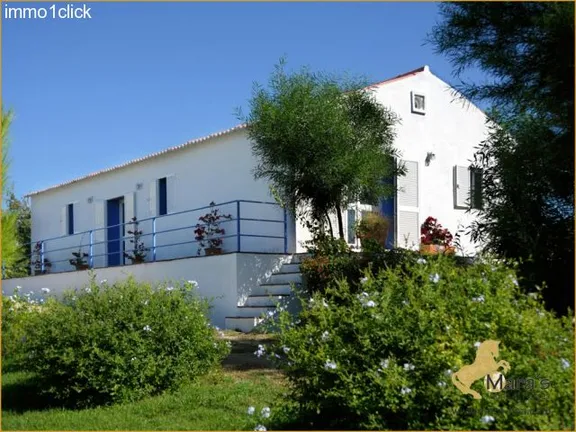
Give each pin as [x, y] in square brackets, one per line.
[168, 191]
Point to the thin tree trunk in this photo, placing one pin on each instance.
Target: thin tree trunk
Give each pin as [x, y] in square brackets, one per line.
[340, 223]
[329, 223]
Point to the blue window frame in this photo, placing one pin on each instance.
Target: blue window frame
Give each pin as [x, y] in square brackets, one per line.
[70, 219]
[162, 197]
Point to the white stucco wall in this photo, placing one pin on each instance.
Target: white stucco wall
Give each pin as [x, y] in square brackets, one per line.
[227, 279]
[218, 170]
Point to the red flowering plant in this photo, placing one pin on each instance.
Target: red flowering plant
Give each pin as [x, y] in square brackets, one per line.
[208, 233]
[432, 233]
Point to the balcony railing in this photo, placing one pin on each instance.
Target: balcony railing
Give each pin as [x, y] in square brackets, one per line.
[254, 226]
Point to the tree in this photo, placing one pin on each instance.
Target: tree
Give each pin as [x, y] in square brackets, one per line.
[323, 142]
[21, 210]
[527, 49]
[11, 252]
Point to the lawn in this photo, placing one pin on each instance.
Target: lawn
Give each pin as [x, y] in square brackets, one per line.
[218, 401]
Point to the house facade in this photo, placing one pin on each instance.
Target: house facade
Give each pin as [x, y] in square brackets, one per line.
[168, 191]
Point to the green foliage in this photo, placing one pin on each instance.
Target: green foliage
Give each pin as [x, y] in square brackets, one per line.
[372, 230]
[121, 342]
[23, 223]
[527, 49]
[321, 141]
[383, 358]
[17, 310]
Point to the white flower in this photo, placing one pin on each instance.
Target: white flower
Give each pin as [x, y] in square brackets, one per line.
[405, 302]
[229, 344]
[514, 280]
[363, 280]
[251, 410]
[170, 288]
[365, 294]
[448, 372]
[286, 349]
[370, 303]
[193, 283]
[330, 365]
[479, 299]
[265, 413]
[441, 384]
[45, 290]
[565, 363]
[260, 428]
[324, 303]
[261, 351]
[487, 419]
[133, 358]
[325, 335]
[147, 328]
[18, 288]
[421, 261]
[103, 281]
[406, 390]
[88, 289]
[408, 366]
[145, 302]
[384, 363]
[447, 327]
[435, 278]
[533, 295]
[477, 345]
[270, 313]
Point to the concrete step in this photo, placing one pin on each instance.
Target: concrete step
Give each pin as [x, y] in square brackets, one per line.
[272, 289]
[290, 268]
[282, 278]
[254, 311]
[243, 324]
[265, 300]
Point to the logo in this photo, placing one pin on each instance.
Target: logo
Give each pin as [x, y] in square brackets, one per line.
[485, 366]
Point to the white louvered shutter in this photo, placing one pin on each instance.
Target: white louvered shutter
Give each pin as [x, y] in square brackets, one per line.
[64, 220]
[408, 186]
[408, 229]
[170, 194]
[129, 207]
[461, 187]
[153, 200]
[99, 235]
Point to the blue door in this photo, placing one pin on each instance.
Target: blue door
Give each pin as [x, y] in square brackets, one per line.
[115, 231]
[387, 207]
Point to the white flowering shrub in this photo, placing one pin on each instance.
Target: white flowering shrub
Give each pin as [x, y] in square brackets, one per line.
[384, 357]
[114, 343]
[17, 309]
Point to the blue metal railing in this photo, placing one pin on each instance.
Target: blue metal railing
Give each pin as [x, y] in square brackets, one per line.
[41, 254]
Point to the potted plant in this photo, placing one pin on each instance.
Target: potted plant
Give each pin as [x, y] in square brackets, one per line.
[139, 251]
[208, 233]
[372, 228]
[37, 262]
[79, 260]
[434, 239]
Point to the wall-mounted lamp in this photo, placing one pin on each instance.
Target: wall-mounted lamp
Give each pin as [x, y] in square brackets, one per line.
[90, 200]
[139, 186]
[429, 158]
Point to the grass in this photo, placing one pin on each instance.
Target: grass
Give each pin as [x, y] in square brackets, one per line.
[217, 401]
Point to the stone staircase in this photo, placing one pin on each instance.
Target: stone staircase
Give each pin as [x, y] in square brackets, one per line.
[266, 296]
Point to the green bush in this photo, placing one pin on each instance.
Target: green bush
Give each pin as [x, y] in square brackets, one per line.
[383, 358]
[116, 343]
[17, 310]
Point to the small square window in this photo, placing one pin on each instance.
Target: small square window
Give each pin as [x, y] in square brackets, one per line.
[418, 103]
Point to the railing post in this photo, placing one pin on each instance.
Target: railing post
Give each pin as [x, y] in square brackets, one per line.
[153, 239]
[285, 231]
[238, 225]
[42, 256]
[91, 249]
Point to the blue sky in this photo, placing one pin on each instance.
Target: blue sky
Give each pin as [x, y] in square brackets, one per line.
[140, 77]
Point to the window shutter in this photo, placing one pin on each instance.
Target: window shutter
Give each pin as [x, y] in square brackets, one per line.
[170, 193]
[129, 207]
[408, 186]
[153, 198]
[408, 229]
[461, 187]
[64, 220]
[99, 236]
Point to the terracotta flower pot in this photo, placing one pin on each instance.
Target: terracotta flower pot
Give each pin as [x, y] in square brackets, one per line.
[213, 251]
[433, 249]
